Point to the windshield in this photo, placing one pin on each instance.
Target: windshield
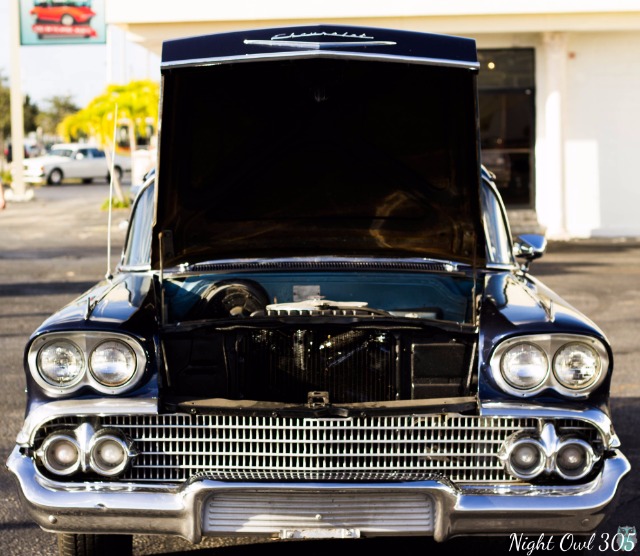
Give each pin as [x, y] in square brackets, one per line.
[50, 3]
[496, 229]
[61, 152]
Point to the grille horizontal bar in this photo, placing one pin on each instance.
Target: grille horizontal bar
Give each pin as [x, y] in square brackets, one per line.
[271, 512]
[178, 447]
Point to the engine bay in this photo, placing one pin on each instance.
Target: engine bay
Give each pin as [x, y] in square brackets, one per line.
[278, 337]
[412, 296]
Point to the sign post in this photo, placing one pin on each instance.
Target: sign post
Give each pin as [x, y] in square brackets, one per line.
[17, 116]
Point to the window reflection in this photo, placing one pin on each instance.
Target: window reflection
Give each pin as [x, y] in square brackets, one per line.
[507, 121]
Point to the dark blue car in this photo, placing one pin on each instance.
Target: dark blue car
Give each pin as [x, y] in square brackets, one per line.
[319, 327]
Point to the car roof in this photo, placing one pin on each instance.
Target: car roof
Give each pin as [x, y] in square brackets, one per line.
[74, 146]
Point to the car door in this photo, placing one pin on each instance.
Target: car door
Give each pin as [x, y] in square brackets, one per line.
[99, 167]
[80, 164]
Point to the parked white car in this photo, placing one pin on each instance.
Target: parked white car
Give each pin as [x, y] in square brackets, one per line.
[72, 160]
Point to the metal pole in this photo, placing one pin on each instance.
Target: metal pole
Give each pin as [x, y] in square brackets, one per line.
[109, 50]
[17, 116]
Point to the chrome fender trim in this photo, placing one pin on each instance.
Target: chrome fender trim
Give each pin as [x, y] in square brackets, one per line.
[590, 415]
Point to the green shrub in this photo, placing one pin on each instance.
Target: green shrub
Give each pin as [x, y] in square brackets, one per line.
[116, 204]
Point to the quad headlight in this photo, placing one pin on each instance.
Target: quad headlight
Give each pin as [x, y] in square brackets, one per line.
[527, 454]
[60, 453]
[64, 362]
[567, 363]
[112, 363]
[576, 365]
[106, 452]
[524, 366]
[109, 454]
[60, 363]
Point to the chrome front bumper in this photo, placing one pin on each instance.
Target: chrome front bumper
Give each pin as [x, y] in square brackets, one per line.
[187, 511]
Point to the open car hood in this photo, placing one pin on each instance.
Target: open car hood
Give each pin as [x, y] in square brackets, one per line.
[318, 141]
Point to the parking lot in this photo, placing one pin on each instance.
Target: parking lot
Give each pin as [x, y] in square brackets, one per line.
[54, 248]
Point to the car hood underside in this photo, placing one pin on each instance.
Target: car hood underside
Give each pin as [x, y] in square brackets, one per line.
[319, 153]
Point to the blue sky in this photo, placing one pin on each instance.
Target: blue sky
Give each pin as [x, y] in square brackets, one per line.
[79, 71]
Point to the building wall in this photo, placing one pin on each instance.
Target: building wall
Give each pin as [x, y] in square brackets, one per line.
[602, 134]
[587, 82]
[587, 129]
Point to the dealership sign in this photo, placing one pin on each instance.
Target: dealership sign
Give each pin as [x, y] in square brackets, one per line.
[62, 22]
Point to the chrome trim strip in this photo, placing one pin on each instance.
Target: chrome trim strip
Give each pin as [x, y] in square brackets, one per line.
[134, 268]
[133, 508]
[102, 406]
[500, 266]
[315, 45]
[198, 62]
[595, 417]
[449, 266]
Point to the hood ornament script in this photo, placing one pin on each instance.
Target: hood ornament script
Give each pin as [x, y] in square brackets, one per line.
[289, 40]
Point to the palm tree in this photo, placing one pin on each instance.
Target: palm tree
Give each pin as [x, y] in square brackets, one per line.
[135, 105]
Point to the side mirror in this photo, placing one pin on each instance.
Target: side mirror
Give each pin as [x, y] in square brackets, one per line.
[79, 156]
[529, 247]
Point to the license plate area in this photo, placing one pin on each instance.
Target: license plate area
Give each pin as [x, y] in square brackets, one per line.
[329, 533]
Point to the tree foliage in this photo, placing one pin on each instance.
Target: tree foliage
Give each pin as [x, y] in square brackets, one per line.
[5, 107]
[137, 102]
[30, 115]
[57, 108]
[30, 110]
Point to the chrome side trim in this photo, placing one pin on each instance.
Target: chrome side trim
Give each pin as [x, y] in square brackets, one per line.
[595, 417]
[102, 406]
[134, 508]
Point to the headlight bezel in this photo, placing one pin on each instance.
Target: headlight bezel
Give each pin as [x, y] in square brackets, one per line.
[87, 343]
[551, 345]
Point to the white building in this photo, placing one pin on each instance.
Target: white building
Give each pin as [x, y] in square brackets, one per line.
[559, 89]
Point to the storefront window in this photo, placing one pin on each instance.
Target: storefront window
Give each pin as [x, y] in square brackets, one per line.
[506, 86]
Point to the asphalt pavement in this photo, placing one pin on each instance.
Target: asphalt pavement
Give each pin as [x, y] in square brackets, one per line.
[54, 247]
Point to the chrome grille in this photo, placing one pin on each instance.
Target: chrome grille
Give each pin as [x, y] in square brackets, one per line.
[461, 449]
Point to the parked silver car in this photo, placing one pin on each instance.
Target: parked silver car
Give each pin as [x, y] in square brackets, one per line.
[72, 161]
